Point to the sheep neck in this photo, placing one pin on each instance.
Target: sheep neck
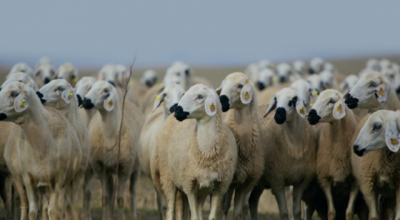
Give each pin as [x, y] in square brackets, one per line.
[35, 127]
[110, 122]
[295, 135]
[70, 111]
[392, 102]
[339, 135]
[207, 130]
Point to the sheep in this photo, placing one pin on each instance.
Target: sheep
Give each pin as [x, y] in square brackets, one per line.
[107, 73]
[104, 129]
[348, 82]
[333, 165]
[373, 64]
[394, 77]
[315, 81]
[68, 72]
[149, 78]
[316, 65]
[22, 67]
[385, 64]
[375, 166]
[252, 71]
[284, 72]
[290, 154]
[265, 64]
[328, 80]
[47, 157]
[238, 99]
[300, 67]
[265, 79]
[199, 158]
[43, 61]
[82, 87]
[43, 74]
[22, 77]
[60, 95]
[154, 121]
[329, 67]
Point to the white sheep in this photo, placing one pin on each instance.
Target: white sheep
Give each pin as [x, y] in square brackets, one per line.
[60, 95]
[107, 73]
[377, 165]
[199, 157]
[300, 67]
[328, 80]
[68, 72]
[373, 64]
[149, 78]
[284, 72]
[43, 74]
[43, 61]
[348, 82]
[82, 87]
[290, 151]
[21, 77]
[315, 81]
[239, 100]
[104, 131]
[252, 71]
[265, 79]
[393, 76]
[333, 164]
[49, 155]
[316, 65]
[22, 67]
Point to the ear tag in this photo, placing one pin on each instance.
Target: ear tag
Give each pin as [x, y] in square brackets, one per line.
[110, 102]
[246, 95]
[23, 103]
[267, 105]
[302, 111]
[212, 107]
[75, 80]
[394, 141]
[339, 108]
[381, 91]
[311, 105]
[70, 95]
[157, 98]
[315, 94]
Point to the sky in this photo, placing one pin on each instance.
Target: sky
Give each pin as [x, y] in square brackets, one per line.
[92, 33]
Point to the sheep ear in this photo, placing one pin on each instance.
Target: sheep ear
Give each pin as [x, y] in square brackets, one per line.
[246, 95]
[392, 137]
[159, 100]
[382, 91]
[300, 108]
[339, 110]
[219, 89]
[211, 104]
[271, 106]
[21, 103]
[109, 103]
[67, 95]
[314, 93]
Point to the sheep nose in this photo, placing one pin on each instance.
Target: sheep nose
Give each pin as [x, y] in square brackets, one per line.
[311, 71]
[46, 80]
[87, 103]
[350, 101]
[172, 109]
[111, 82]
[224, 103]
[313, 118]
[148, 83]
[80, 101]
[180, 115]
[40, 95]
[2, 116]
[187, 72]
[357, 151]
[282, 79]
[261, 85]
[280, 115]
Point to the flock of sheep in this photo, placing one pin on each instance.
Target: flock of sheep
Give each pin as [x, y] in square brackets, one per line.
[333, 138]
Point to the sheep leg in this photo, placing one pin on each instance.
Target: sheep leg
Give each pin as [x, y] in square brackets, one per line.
[87, 194]
[122, 179]
[178, 205]
[132, 192]
[32, 197]
[298, 191]
[53, 198]
[192, 197]
[160, 205]
[186, 213]
[326, 187]
[200, 204]
[246, 207]
[215, 203]
[107, 189]
[170, 197]
[5, 188]
[45, 204]
[227, 200]
[238, 203]
[253, 201]
[21, 197]
[352, 201]
[371, 200]
[397, 204]
[280, 197]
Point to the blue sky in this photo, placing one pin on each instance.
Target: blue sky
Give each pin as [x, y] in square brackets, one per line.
[213, 33]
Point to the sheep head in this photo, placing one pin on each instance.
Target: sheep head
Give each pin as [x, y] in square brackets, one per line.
[82, 87]
[348, 82]
[265, 79]
[22, 77]
[68, 72]
[102, 96]
[57, 93]
[286, 103]
[380, 131]
[149, 78]
[304, 92]
[170, 96]
[236, 91]
[179, 73]
[199, 102]
[108, 73]
[44, 74]
[14, 100]
[328, 107]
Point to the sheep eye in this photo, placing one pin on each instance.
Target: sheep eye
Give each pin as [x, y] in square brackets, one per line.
[240, 86]
[106, 91]
[14, 94]
[331, 101]
[373, 84]
[200, 97]
[376, 127]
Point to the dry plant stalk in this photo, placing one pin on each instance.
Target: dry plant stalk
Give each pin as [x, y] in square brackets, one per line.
[120, 133]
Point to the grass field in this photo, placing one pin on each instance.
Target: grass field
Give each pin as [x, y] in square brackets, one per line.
[146, 203]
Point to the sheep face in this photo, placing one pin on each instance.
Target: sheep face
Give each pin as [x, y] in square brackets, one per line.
[380, 131]
[299, 66]
[316, 65]
[285, 102]
[328, 81]
[149, 78]
[82, 87]
[22, 67]
[315, 81]
[304, 90]
[22, 78]
[284, 71]
[68, 72]
[44, 74]
[369, 92]
[328, 107]
[177, 72]
[102, 96]
[393, 76]
[265, 79]
[57, 93]
[14, 100]
[236, 91]
[122, 75]
[170, 96]
[348, 82]
[108, 73]
[373, 64]
[199, 102]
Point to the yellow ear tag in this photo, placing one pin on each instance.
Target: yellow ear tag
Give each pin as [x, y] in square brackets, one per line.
[246, 95]
[302, 110]
[157, 98]
[315, 94]
[212, 107]
[70, 95]
[23, 103]
[394, 141]
[267, 105]
[381, 91]
[75, 80]
[275, 79]
[110, 102]
[339, 108]
[311, 105]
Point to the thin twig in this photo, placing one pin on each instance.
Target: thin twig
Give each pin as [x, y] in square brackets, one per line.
[120, 134]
